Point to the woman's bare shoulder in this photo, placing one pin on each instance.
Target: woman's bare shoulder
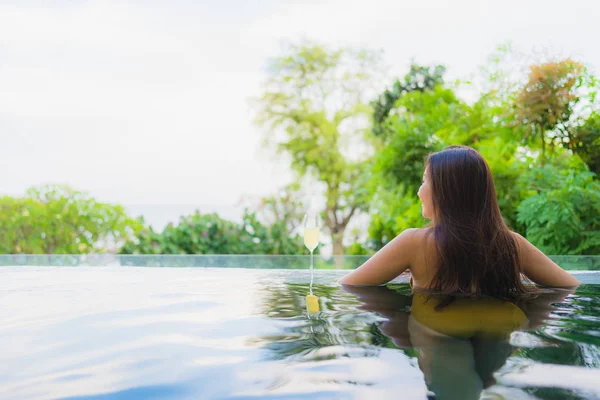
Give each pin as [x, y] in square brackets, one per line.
[423, 243]
[418, 238]
[415, 232]
[422, 236]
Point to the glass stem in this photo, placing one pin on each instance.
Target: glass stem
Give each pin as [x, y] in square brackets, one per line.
[311, 271]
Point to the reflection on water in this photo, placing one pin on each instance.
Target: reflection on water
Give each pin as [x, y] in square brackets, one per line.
[470, 349]
[128, 333]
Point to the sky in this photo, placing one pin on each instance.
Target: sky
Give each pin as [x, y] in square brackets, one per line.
[147, 103]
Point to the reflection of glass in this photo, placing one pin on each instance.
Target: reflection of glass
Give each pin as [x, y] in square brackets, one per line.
[312, 226]
[312, 303]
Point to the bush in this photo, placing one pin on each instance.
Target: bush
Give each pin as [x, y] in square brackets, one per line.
[563, 216]
[60, 220]
[210, 234]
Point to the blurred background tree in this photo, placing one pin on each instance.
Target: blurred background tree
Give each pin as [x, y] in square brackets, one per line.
[584, 140]
[561, 212]
[285, 207]
[419, 78]
[545, 104]
[315, 103]
[60, 220]
[210, 234]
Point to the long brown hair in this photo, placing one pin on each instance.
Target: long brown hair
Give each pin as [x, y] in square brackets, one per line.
[476, 251]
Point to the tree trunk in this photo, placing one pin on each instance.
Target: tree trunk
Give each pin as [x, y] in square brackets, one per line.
[337, 228]
[338, 247]
[543, 160]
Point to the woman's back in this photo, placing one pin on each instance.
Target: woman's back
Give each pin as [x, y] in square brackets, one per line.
[425, 261]
[533, 263]
[416, 250]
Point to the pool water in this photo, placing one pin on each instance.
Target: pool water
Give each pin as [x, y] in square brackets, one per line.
[202, 333]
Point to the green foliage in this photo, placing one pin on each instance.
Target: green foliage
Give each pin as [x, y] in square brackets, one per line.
[421, 124]
[545, 104]
[286, 208]
[585, 142]
[270, 239]
[562, 215]
[393, 211]
[357, 249]
[60, 220]
[210, 234]
[314, 103]
[419, 78]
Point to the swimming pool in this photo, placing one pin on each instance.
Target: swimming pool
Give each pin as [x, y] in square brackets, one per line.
[238, 333]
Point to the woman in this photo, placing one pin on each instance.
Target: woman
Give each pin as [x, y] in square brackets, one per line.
[468, 255]
[467, 249]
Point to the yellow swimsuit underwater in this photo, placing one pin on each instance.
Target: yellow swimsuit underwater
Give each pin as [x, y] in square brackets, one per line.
[484, 317]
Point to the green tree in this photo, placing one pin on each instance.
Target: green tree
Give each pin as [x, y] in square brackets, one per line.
[545, 104]
[419, 78]
[274, 238]
[60, 220]
[195, 234]
[285, 207]
[585, 142]
[562, 213]
[314, 104]
[210, 234]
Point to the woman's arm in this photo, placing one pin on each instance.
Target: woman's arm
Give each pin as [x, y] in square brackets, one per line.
[539, 268]
[389, 262]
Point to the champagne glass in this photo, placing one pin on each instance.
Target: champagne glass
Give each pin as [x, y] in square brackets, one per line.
[312, 226]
